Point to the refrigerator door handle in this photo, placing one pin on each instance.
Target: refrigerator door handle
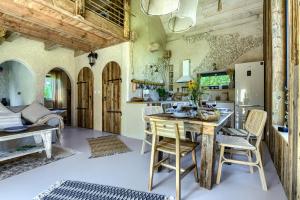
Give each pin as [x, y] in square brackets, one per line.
[248, 106]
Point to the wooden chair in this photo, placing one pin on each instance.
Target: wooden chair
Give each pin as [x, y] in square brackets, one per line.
[173, 143]
[149, 110]
[255, 124]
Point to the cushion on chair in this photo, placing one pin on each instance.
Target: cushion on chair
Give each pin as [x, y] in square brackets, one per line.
[235, 142]
[235, 132]
[10, 120]
[168, 145]
[34, 112]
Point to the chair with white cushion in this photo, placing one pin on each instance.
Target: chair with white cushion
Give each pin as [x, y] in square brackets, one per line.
[150, 110]
[254, 125]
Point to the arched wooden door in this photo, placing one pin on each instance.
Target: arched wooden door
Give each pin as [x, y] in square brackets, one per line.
[85, 109]
[111, 98]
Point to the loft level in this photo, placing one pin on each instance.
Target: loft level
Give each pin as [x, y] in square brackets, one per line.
[77, 24]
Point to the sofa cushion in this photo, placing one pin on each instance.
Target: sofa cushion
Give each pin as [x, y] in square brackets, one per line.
[10, 120]
[3, 109]
[34, 112]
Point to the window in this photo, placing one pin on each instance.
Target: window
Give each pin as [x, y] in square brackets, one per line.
[49, 88]
[215, 80]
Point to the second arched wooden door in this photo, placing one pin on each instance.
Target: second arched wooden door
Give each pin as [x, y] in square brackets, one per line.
[85, 111]
[111, 98]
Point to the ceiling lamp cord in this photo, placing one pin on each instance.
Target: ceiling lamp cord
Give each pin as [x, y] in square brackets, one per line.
[220, 5]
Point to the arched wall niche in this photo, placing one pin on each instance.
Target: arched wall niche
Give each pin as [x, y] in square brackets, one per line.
[17, 83]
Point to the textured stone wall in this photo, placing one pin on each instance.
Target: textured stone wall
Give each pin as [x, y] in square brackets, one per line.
[224, 50]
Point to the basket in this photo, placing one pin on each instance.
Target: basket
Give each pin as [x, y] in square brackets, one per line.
[209, 116]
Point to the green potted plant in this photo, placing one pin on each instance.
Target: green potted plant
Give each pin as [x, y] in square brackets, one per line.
[162, 93]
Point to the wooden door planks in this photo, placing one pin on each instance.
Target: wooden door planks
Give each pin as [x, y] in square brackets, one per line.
[111, 85]
[85, 109]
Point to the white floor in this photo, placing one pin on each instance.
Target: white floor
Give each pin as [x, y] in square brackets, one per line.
[130, 170]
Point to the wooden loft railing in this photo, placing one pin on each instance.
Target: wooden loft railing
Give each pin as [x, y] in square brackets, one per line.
[112, 10]
[115, 11]
[77, 24]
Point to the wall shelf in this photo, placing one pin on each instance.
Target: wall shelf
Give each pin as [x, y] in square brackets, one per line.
[147, 82]
[228, 89]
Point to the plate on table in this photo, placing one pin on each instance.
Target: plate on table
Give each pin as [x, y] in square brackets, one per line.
[179, 114]
[15, 129]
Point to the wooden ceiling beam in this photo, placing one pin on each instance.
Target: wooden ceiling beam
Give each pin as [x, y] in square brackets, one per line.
[48, 46]
[11, 36]
[23, 27]
[37, 17]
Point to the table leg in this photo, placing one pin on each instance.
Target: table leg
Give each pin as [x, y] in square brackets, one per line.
[47, 137]
[160, 156]
[207, 160]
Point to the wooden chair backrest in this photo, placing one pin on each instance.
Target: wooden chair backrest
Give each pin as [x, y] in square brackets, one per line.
[255, 122]
[169, 129]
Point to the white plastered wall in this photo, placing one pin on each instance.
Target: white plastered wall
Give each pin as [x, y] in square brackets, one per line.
[31, 53]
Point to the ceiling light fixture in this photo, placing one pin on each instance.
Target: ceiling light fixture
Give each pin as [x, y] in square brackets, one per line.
[185, 18]
[92, 58]
[159, 7]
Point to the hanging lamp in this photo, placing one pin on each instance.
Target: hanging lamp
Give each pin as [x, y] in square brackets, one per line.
[159, 7]
[185, 18]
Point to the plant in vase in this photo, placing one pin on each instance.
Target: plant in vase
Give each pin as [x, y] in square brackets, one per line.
[195, 91]
[162, 93]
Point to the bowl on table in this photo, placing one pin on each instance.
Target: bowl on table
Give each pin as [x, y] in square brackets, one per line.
[180, 114]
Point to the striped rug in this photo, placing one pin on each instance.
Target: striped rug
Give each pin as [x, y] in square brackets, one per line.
[75, 190]
[106, 146]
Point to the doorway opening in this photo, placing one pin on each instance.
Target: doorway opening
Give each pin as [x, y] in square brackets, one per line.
[111, 100]
[58, 94]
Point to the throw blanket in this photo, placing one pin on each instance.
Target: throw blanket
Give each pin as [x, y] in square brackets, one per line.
[46, 118]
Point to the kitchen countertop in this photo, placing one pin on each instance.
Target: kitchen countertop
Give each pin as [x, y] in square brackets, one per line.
[145, 102]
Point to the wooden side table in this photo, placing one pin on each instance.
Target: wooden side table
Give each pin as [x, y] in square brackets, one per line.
[44, 131]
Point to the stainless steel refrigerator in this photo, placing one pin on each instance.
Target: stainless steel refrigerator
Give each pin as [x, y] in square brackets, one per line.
[249, 90]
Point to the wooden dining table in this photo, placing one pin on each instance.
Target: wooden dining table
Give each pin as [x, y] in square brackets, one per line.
[208, 131]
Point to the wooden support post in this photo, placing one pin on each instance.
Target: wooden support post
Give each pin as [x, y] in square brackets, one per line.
[294, 101]
[2, 35]
[11, 36]
[126, 19]
[207, 159]
[48, 46]
[80, 8]
[279, 60]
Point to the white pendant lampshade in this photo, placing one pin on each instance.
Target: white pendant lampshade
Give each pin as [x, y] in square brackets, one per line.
[185, 18]
[159, 7]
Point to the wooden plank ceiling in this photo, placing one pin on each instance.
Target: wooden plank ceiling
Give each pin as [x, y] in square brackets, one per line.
[232, 13]
[55, 22]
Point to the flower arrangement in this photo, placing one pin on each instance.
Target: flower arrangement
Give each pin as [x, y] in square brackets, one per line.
[195, 91]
